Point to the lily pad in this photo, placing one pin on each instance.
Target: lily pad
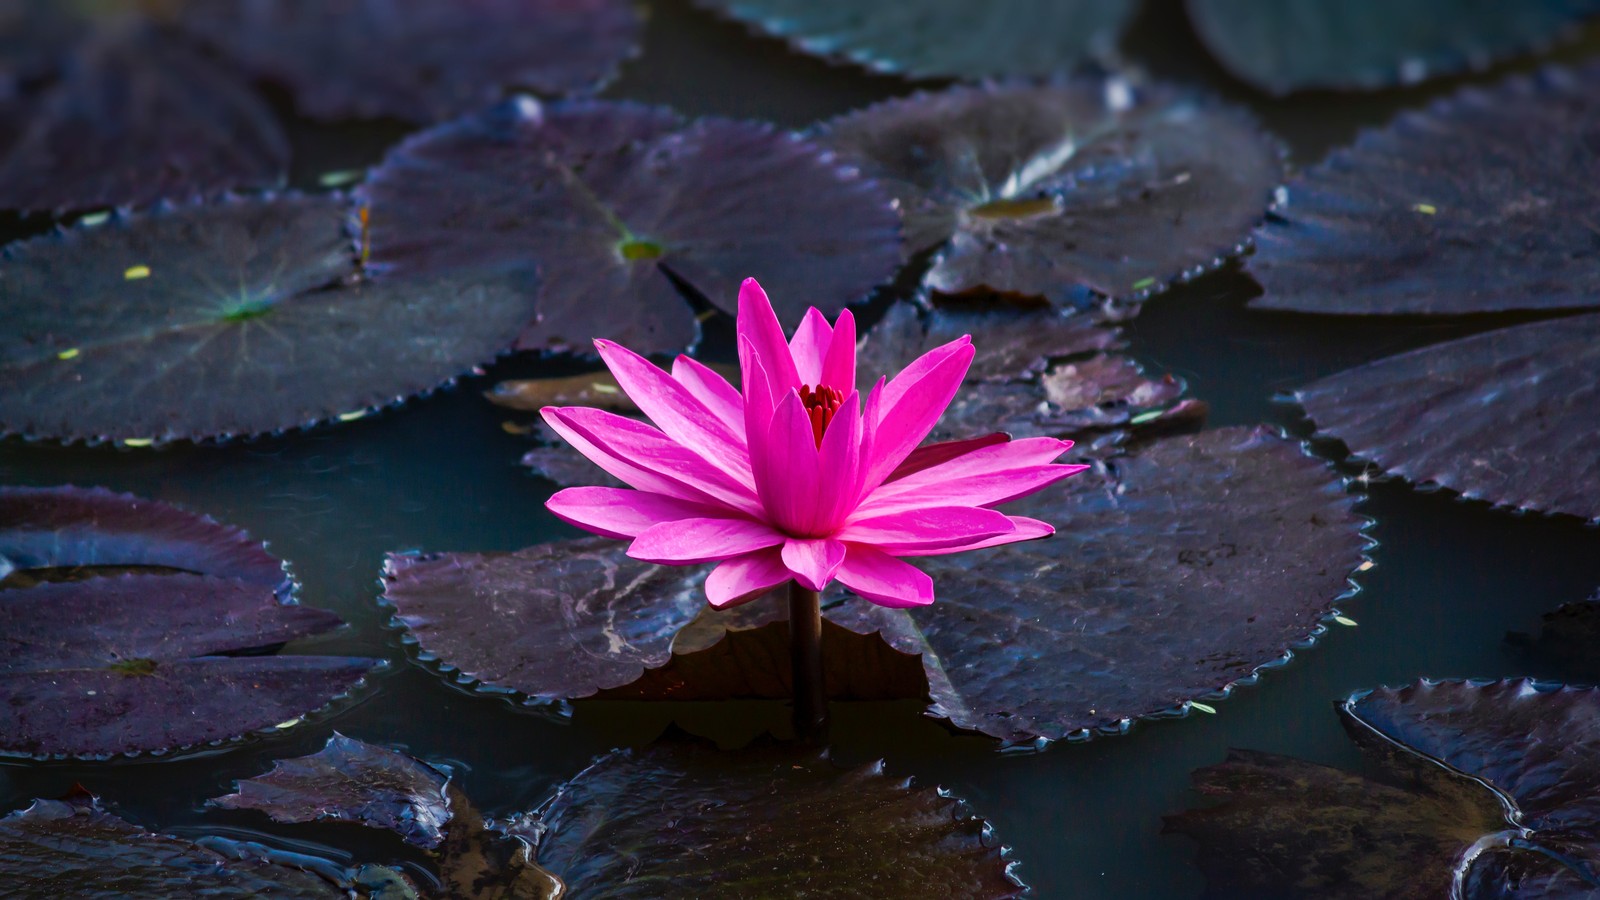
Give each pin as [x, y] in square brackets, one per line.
[1087, 186]
[57, 848]
[78, 528]
[1488, 790]
[1475, 414]
[420, 60]
[141, 663]
[689, 820]
[1288, 45]
[216, 321]
[133, 120]
[618, 205]
[1483, 202]
[944, 38]
[354, 781]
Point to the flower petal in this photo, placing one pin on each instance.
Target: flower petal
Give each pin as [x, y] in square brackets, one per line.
[758, 324]
[839, 366]
[925, 528]
[1027, 530]
[929, 455]
[675, 410]
[744, 578]
[908, 407]
[884, 580]
[711, 389]
[621, 513]
[810, 345]
[984, 489]
[839, 466]
[813, 561]
[787, 469]
[688, 541]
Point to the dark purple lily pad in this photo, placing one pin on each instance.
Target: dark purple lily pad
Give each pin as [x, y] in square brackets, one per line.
[420, 60]
[223, 320]
[132, 118]
[138, 663]
[78, 528]
[1478, 415]
[1486, 790]
[1288, 45]
[615, 202]
[56, 849]
[1090, 185]
[350, 780]
[689, 820]
[944, 38]
[1486, 201]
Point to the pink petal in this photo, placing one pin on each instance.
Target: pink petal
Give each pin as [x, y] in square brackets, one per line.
[759, 324]
[924, 529]
[813, 562]
[644, 458]
[930, 455]
[908, 407]
[984, 489]
[1027, 530]
[759, 402]
[621, 513]
[678, 412]
[744, 578]
[839, 466]
[787, 469]
[884, 580]
[711, 389]
[701, 540]
[839, 366]
[810, 345]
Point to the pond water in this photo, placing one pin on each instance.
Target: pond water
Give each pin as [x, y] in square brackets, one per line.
[1451, 578]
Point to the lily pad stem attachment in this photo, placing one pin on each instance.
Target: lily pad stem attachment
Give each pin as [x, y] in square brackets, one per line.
[805, 652]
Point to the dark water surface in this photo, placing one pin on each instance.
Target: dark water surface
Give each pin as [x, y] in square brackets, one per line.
[442, 474]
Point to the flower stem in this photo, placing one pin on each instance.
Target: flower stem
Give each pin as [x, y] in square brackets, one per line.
[805, 651]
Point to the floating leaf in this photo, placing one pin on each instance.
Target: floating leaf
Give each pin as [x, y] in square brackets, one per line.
[417, 59]
[1475, 415]
[73, 528]
[134, 118]
[1089, 185]
[352, 781]
[136, 663]
[1287, 45]
[616, 203]
[689, 820]
[597, 389]
[242, 326]
[57, 849]
[1489, 791]
[944, 38]
[1485, 201]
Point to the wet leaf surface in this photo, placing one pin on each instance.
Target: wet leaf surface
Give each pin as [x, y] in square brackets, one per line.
[943, 38]
[134, 117]
[350, 780]
[687, 820]
[1485, 790]
[1487, 416]
[1483, 202]
[1286, 45]
[416, 59]
[112, 327]
[139, 663]
[89, 528]
[616, 201]
[1059, 191]
[56, 849]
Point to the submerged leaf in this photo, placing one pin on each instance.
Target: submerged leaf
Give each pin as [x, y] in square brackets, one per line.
[944, 38]
[615, 203]
[685, 820]
[1489, 790]
[419, 60]
[351, 780]
[225, 320]
[1478, 414]
[1287, 45]
[1484, 202]
[1568, 636]
[1090, 185]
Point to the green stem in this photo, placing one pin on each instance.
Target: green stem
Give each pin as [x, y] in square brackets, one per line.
[805, 651]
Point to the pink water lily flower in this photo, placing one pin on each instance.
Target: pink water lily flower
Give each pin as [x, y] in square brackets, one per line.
[794, 477]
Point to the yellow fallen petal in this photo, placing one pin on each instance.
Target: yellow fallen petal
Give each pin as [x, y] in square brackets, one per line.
[138, 442]
[135, 273]
[1202, 707]
[68, 354]
[352, 416]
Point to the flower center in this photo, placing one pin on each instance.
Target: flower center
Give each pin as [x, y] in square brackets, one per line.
[821, 403]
